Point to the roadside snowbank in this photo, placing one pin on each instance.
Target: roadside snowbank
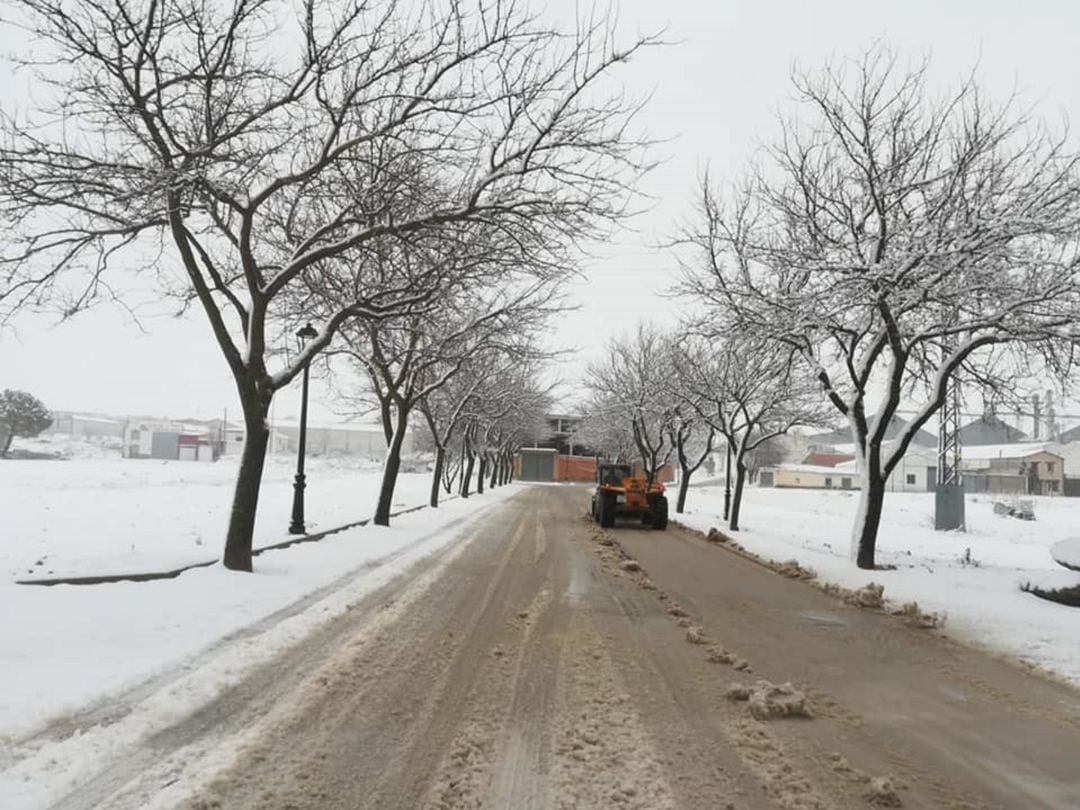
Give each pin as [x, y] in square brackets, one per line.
[972, 577]
[74, 647]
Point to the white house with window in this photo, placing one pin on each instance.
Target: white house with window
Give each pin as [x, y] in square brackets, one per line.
[916, 472]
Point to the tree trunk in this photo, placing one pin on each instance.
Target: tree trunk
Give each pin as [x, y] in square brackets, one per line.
[510, 468]
[8, 434]
[868, 518]
[466, 478]
[450, 474]
[241, 531]
[736, 500]
[684, 484]
[436, 475]
[390, 470]
[496, 463]
[481, 470]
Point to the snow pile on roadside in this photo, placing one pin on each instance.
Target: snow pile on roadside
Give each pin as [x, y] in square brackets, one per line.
[972, 578]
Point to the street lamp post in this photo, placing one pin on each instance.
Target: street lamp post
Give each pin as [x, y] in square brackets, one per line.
[727, 482]
[296, 526]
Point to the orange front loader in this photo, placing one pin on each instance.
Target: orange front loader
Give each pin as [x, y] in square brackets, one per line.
[619, 493]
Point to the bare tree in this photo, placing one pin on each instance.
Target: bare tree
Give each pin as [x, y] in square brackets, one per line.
[690, 434]
[259, 143]
[601, 430]
[749, 392]
[891, 240]
[631, 385]
[493, 406]
[444, 411]
[409, 358]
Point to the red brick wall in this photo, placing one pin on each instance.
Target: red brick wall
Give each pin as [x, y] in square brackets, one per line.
[571, 468]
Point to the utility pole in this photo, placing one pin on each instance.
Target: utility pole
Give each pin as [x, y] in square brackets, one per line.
[949, 493]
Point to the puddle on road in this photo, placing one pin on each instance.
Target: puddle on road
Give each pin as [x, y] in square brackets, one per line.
[817, 617]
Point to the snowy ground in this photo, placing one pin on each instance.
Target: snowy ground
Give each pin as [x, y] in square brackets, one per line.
[97, 513]
[972, 577]
[129, 660]
[69, 646]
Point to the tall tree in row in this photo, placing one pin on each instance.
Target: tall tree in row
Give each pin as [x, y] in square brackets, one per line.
[893, 236]
[255, 143]
[690, 435]
[495, 394]
[509, 409]
[408, 358]
[630, 389]
[749, 392]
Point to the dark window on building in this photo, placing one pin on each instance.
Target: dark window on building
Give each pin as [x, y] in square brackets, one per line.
[1049, 466]
[828, 482]
[911, 478]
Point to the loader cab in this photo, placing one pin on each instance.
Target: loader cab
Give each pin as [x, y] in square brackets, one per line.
[612, 475]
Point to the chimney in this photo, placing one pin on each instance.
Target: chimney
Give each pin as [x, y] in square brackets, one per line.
[1036, 416]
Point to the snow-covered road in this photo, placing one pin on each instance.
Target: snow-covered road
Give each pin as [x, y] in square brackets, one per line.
[531, 665]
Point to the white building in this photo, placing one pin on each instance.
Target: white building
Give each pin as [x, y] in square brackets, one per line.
[341, 439]
[166, 440]
[916, 472]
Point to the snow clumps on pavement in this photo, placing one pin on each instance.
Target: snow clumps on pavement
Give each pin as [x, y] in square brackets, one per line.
[767, 701]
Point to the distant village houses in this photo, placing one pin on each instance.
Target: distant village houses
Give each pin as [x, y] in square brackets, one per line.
[996, 458]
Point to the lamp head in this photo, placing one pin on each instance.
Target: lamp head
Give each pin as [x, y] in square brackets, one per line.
[308, 332]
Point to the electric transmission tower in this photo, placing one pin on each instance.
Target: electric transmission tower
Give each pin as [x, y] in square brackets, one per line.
[949, 494]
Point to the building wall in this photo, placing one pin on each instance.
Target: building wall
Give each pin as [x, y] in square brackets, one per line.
[911, 475]
[138, 440]
[330, 441]
[85, 427]
[535, 465]
[995, 484]
[803, 479]
[575, 468]
[1009, 474]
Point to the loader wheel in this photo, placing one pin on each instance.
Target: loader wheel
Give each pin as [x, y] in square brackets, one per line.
[659, 512]
[607, 511]
[593, 510]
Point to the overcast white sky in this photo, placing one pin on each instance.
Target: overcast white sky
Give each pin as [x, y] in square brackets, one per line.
[714, 91]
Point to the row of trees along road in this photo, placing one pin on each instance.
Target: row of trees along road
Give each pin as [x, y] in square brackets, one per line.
[893, 239]
[656, 394]
[285, 162]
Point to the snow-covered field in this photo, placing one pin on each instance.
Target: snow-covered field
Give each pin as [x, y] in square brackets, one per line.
[105, 514]
[64, 647]
[972, 577]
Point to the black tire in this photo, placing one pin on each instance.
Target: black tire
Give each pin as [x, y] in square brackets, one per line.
[594, 511]
[607, 511]
[659, 512]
